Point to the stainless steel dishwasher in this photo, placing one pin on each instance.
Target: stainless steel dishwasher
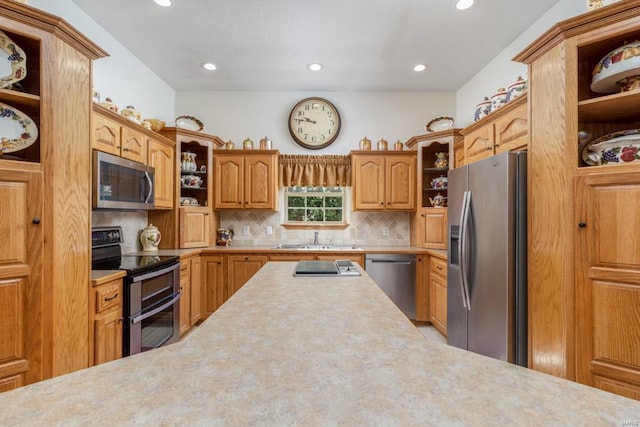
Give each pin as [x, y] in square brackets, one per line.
[396, 276]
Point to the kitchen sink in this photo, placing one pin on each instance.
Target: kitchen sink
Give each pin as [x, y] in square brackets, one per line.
[311, 247]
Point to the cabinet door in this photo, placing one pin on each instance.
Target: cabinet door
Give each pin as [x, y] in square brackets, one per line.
[240, 268]
[608, 279]
[511, 130]
[400, 183]
[438, 302]
[195, 227]
[212, 282]
[422, 288]
[21, 329]
[162, 157]
[260, 181]
[134, 145]
[368, 182]
[291, 257]
[478, 144]
[106, 135]
[107, 322]
[185, 296]
[458, 155]
[434, 228]
[229, 181]
[196, 290]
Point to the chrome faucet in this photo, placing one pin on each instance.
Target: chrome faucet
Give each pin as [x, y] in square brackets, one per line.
[315, 237]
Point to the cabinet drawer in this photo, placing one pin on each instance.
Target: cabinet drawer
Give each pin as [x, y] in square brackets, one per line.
[108, 296]
[439, 266]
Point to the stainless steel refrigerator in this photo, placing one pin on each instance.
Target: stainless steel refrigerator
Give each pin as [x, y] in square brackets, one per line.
[487, 259]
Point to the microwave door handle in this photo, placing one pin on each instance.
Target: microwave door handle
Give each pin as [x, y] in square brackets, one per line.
[150, 181]
[155, 311]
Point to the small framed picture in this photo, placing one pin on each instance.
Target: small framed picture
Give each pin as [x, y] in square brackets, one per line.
[203, 169]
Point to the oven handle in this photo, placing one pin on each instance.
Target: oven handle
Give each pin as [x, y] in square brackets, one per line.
[155, 311]
[155, 273]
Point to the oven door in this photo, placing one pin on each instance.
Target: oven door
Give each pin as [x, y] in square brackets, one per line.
[154, 310]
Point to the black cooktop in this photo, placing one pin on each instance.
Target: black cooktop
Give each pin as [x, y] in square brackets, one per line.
[133, 263]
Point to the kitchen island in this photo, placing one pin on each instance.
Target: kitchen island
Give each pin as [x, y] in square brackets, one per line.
[310, 351]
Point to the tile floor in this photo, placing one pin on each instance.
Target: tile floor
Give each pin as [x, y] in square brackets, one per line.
[432, 334]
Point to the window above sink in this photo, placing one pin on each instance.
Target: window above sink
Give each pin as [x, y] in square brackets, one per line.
[315, 207]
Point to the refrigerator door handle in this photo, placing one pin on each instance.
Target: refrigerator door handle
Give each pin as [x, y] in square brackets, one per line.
[464, 257]
[461, 248]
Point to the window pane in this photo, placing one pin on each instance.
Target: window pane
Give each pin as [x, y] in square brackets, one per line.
[295, 215]
[333, 215]
[295, 201]
[315, 201]
[333, 202]
[315, 215]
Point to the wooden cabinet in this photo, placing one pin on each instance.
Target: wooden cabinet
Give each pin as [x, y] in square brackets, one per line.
[197, 291]
[422, 288]
[161, 154]
[212, 283]
[608, 280]
[583, 263]
[192, 221]
[240, 268]
[429, 222]
[116, 135]
[357, 258]
[191, 307]
[45, 213]
[106, 322]
[438, 294]
[384, 180]
[505, 129]
[21, 288]
[246, 179]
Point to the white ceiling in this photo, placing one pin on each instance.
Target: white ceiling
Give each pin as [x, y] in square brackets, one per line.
[364, 45]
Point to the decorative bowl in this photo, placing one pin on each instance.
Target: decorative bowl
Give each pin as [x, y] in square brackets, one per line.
[156, 124]
[611, 74]
[617, 147]
[439, 183]
[440, 123]
[482, 109]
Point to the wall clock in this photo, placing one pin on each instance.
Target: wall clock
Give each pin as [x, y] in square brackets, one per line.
[314, 123]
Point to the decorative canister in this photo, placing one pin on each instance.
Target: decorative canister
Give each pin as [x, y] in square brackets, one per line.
[516, 89]
[265, 143]
[150, 238]
[438, 201]
[109, 105]
[365, 144]
[482, 109]
[132, 114]
[398, 146]
[225, 236]
[500, 99]
[382, 144]
[247, 144]
[439, 183]
[442, 160]
[229, 145]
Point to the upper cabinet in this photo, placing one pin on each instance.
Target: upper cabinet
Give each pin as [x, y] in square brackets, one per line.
[502, 130]
[246, 179]
[384, 180]
[45, 165]
[583, 267]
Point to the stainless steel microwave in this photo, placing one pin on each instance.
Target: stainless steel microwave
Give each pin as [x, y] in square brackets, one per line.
[121, 183]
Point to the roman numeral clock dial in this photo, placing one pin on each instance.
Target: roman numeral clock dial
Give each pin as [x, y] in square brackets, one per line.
[314, 123]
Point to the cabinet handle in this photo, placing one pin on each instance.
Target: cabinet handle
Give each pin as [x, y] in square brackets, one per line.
[582, 224]
[121, 319]
[489, 148]
[439, 267]
[35, 221]
[111, 298]
[382, 203]
[422, 215]
[183, 268]
[125, 149]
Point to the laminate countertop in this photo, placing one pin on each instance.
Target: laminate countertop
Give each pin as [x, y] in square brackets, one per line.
[310, 351]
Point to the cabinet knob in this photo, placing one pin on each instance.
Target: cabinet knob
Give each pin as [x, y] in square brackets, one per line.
[382, 203]
[439, 267]
[125, 149]
[422, 215]
[489, 148]
[582, 224]
[35, 221]
[121, 319]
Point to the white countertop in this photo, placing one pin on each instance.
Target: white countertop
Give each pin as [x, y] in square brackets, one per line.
[310, 351]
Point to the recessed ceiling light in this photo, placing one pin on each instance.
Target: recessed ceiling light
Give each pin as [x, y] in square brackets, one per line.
[315, 67]
[464, 4]
[419, 67]
[164, 3]
[210, 66]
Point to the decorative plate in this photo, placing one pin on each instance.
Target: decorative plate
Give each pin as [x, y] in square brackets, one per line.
[617, 147]
[440, 123]
[17, 130]
[16, 59]
[186, 121]
[617, 65]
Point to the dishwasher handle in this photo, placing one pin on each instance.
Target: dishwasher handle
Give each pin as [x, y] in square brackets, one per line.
[390, 261]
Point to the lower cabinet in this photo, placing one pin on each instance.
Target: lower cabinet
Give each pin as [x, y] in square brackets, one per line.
[422, 288]
[240, 268]
[438, 294]
[106, 319]
[191, 299]
[212, 283]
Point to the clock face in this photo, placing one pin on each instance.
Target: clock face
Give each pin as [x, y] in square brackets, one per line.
[314, 123]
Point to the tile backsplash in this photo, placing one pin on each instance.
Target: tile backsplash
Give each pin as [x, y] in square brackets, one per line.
[365, 229]
[132, 224]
